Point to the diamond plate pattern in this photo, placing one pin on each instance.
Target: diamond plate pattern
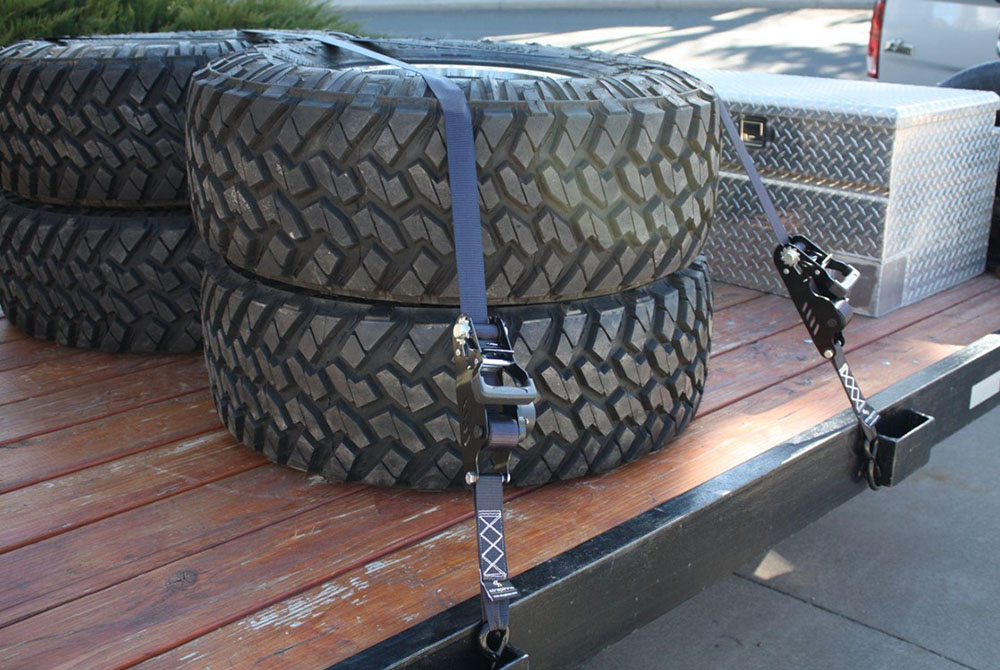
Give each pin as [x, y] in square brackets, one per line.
[741, 242]
[899, 179]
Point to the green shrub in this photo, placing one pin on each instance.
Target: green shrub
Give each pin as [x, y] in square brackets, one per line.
[25, 19]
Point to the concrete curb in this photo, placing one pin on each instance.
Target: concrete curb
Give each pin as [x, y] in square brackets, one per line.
[494, 5]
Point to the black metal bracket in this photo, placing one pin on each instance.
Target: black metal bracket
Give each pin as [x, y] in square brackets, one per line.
[512, 658]
[819, 286]
[904, 444]
[495, 395]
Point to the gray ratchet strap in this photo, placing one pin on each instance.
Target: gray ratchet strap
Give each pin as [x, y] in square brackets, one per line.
[494, 416]
[461, 152]
[492, 553]
[818, 285]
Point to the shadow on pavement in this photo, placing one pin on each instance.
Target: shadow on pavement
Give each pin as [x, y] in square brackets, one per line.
[828, 43]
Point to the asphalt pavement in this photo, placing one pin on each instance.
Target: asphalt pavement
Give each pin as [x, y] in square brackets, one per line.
[900, 579]
[816, 42]
[904, 579]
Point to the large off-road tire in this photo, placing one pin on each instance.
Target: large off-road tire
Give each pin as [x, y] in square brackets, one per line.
[366, 392]
[99, 121]
[596, 175]
[105, 279]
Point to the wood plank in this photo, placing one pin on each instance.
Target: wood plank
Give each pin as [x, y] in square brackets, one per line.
[318, 627]
[154, 612]
[729, 295]
[36, 416]
[29, 351]
[71, 371]
[31, 460]
[751, 321]
[8, 333]
[736, 373]
[65, 638]
[55, 506]
[232, 578]
[63, 568]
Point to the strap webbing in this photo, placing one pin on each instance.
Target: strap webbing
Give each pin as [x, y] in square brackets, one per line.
[495, 589]
[492, 551]
[863, 410]
[462, 174]
[758, 186]
[488, 489]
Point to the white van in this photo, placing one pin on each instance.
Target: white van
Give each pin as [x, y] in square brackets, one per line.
[926, 41]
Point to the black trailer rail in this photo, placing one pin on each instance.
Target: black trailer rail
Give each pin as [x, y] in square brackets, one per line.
[578, 602]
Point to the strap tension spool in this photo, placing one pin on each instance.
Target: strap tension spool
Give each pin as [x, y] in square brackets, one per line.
[494, 416]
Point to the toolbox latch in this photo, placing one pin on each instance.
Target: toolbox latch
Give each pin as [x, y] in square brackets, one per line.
[753, 131]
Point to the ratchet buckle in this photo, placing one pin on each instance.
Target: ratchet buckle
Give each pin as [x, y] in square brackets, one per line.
[495, 396]
[818, 285]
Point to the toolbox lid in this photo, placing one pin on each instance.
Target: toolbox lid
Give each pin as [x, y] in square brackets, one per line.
[847, 101]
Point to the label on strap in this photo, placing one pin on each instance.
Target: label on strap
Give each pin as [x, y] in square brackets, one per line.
[499, 590]
[492, 544]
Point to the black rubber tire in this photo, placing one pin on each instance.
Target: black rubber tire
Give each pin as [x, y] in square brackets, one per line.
[103, 279]
[984, 77]
[337, 182]
[365, 392]
[99, 121]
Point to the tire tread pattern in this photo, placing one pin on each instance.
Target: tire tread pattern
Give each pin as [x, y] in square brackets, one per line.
[365, 392]
[99, 121]
[336, 181]
[104, 279]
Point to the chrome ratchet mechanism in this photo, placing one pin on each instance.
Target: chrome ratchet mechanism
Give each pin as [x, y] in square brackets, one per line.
[496, 409]
[495, 396]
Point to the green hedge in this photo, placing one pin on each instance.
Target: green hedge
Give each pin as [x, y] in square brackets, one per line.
[25, 19]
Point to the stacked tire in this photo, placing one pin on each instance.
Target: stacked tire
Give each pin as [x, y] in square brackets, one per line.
[321, 182]
[97, 245]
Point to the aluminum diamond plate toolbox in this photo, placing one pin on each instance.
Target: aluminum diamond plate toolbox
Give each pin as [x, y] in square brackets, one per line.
[896, 180]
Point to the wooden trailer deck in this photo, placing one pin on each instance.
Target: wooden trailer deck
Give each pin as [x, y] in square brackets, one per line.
[137, 532]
